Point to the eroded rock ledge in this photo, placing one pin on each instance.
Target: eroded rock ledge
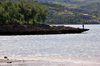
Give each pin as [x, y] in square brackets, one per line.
[37, 29]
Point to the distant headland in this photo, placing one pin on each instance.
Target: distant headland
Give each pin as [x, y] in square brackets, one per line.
[27, 18]
[37, 29]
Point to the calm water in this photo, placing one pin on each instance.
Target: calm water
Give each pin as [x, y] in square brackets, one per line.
[73, 46]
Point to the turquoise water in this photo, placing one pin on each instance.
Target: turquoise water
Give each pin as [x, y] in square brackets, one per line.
[72, 46]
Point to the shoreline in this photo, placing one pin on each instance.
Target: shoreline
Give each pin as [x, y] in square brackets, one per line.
[47, 61]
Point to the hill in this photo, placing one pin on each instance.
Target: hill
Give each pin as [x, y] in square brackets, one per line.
[73, 1]
[93, 8]
[71, 11]
[62, 13]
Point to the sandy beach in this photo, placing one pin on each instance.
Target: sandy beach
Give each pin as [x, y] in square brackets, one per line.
[47, 61]
[43, 63]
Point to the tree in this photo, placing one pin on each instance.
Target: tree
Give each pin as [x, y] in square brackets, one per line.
[22, 12]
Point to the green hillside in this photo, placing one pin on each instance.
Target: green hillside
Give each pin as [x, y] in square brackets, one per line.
[62, 14]
[71, 11]
[67, 1]
[93, 8]
[73, 1]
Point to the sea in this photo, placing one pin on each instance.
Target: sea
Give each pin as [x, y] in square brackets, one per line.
[71, 48]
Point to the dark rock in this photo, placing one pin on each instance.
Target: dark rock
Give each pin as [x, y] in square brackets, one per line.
[9, 62]
[37, 29]
[5, 57]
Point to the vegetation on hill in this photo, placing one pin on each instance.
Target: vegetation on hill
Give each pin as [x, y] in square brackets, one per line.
[93, 8]
[74, 1]
[77, 7]
[60, 11]
[22, 12]
[60, 14]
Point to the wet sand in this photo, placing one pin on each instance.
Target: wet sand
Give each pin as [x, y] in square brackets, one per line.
[48, 62]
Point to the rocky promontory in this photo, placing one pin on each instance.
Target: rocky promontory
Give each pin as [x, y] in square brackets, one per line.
[37, 29]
